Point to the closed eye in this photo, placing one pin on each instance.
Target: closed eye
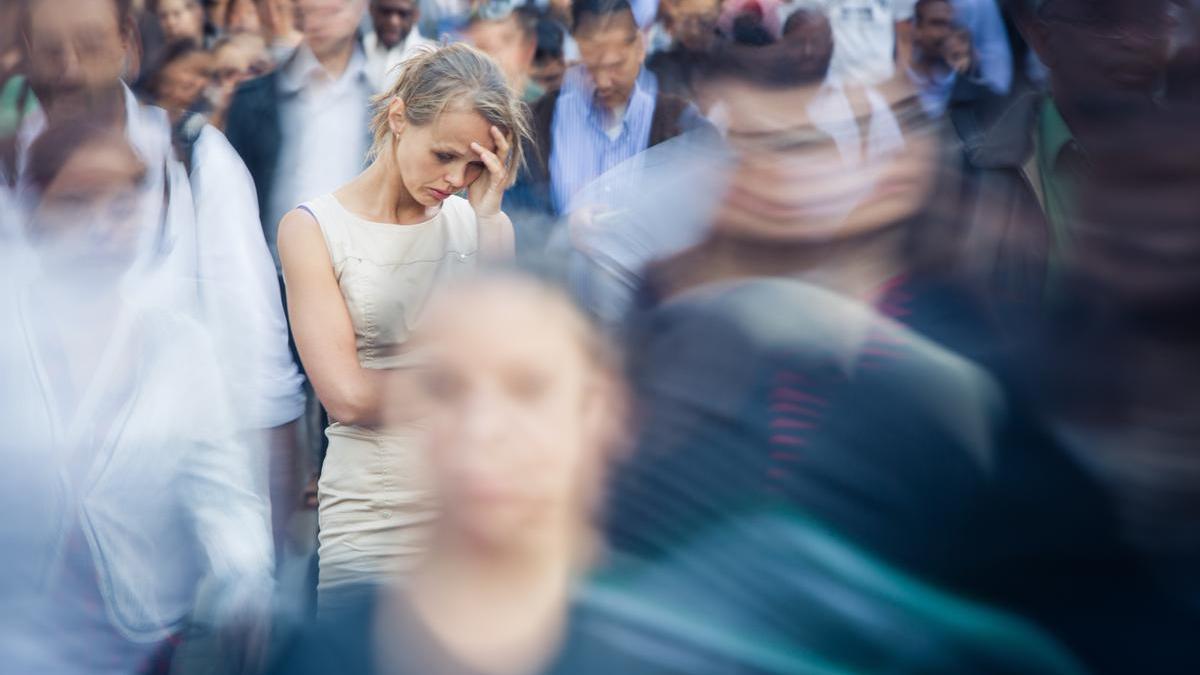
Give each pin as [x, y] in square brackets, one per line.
[445, 157]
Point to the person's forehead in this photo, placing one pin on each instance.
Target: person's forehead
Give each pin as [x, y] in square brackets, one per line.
[393, 5]
[505, 28]
[697, 6]
[57, 15]
[592, 27]
[459, 127]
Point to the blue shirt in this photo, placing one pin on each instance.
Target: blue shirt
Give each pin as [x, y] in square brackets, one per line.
[581, 150]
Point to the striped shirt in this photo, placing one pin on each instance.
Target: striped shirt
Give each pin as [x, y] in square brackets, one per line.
[581, 149]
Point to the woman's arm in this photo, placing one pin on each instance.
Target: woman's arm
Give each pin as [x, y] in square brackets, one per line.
[322, 328]
[496, 238]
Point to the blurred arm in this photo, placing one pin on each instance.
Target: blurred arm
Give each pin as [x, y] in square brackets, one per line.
[496, 238]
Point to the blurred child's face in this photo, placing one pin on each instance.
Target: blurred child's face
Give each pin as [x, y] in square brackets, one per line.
[515, 413]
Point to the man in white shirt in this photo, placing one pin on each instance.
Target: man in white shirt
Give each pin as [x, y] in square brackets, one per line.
[869, 36]
[393, 37]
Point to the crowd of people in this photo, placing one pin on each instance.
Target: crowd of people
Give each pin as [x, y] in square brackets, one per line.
[501, 337]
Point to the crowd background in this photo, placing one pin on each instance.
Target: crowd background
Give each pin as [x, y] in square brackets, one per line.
[809, 337]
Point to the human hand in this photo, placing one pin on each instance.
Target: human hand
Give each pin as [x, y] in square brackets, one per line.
[486, 192]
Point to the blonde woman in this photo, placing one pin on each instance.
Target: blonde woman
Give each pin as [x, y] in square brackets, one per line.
[360, 264]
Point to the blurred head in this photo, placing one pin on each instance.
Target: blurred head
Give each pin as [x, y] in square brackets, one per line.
[243, 17]
[812, 166]
[549, 64]
[77, 51]
[182, 77]
[692, 23]
[809, 32]
[443, 100]
[1097, 48]
[933, 22]
[611, 47]
[959, 50]
[393, 20]
[510, 38]
[520, 428]
[329, 25]
[236, 59]
[87, 180]
[181, 20]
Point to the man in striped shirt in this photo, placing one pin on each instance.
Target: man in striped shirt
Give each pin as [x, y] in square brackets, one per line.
[608, 110]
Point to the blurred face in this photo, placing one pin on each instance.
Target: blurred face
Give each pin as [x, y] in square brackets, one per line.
[436, 160]
[183, 81]
[181, 20]
[77, 50]
[693, 22]
[792, 182]
[548, 73]
[1097, 48]
[612, 51]
[393, 20]
[933, 27]
[812, 39]
[85, 221]
[329, 25]
[959, 52]
[237, 62]
[242, 17]
[507, 44]
[515, 441]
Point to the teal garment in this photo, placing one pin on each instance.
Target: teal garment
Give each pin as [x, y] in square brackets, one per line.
[16, 103]
[1060, 166]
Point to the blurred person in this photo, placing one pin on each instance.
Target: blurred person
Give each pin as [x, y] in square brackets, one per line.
[985, 24]
[509, 35]
[179, 85]
[960, 52]
[302, 130]
[608, 110]
[236, 59]
[1026, 161]
[360, 264]
[692, 25]
[181, 20]
[549, 60]
[138, 498]
[394, 37]
[930, 71]
[518, 437]
[757, 393]
[216, 262]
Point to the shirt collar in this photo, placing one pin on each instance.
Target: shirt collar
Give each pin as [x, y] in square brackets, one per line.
[637, 98]
[303, 68]
[1054, 136]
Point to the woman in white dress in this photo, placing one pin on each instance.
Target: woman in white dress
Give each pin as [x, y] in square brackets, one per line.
[360, 264]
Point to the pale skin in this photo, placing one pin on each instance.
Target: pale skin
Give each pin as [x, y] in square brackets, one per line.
[405, 184]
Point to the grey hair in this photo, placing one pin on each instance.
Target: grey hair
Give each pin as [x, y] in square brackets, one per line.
[435, 79]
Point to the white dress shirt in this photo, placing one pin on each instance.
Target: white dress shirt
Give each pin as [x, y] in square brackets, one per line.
[382, 60]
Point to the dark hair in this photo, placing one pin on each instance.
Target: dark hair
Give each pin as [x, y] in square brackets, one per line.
[584, 10]
[749, 53]
[919, 8]
[151, 81]
[51, 152]
[550, 38]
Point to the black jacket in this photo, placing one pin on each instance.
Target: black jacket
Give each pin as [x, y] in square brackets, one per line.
[255, 129]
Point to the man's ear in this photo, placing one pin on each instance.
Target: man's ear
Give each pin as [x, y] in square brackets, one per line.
[395, 116]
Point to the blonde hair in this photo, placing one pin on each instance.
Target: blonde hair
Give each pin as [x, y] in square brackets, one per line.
[435, 79]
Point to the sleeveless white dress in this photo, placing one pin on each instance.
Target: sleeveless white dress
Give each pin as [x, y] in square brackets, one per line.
[374, 500]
